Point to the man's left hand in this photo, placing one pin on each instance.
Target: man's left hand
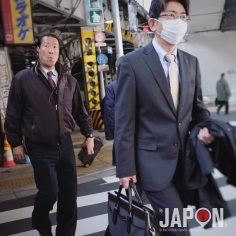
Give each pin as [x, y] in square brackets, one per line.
[205, 137]
[89, 143]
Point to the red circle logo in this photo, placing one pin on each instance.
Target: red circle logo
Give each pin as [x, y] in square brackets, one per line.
[203, 215]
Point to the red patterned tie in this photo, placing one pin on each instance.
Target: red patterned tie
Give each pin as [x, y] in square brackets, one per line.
[51, 81]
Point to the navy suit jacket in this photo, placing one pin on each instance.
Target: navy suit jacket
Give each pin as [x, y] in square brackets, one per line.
[148, 130]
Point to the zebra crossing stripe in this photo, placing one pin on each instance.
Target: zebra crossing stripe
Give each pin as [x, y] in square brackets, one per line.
[26, 212]
[98, 223]
[228, 192]
[92, 217]
[217, 231]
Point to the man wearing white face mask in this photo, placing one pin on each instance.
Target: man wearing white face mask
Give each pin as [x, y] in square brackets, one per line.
[158, 94]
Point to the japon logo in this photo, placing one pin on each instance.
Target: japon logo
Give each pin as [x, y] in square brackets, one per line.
[202, 216]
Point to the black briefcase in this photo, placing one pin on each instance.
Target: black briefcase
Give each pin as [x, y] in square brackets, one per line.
[128, 217]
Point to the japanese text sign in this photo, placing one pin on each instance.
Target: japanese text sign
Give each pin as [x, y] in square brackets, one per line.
[17, 21]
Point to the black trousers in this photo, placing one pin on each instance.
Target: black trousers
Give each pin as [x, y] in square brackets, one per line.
[56, 180]
[169, 199]
[221, 104]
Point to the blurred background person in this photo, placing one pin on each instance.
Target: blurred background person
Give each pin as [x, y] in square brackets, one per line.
[223, 94]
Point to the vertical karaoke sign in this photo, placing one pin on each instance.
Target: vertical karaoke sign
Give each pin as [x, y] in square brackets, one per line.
[17, 22]
[5, 82]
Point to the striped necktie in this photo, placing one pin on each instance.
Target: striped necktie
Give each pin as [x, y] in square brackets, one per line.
[51, 81]
[174, 81]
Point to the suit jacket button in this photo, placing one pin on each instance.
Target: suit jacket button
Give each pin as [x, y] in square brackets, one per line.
[176, 143]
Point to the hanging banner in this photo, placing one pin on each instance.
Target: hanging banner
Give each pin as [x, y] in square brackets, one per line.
[5, 82]
[17, 22]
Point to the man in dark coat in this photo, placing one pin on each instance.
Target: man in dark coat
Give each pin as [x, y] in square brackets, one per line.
[109, 112]
[44, 104]
[223, 94]
[109, 120]
[153, 110]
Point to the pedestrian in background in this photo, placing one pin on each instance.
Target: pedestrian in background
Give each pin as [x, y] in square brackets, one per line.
[109, 110]
[44, 103]
[223, 94]
[158, 94]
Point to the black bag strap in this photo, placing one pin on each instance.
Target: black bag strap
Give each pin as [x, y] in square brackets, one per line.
[131, 187]
[129, 193]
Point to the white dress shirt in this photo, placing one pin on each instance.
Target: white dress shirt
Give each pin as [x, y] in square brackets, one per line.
[45, 71]
[161, 54]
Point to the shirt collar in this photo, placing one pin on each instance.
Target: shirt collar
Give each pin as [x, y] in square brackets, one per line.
[45, 71]
[161, 52]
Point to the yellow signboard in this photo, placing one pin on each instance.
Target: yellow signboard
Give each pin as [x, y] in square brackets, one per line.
[17, 21]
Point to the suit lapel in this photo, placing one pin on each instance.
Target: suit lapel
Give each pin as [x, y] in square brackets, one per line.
[153, 62]
[183, 73]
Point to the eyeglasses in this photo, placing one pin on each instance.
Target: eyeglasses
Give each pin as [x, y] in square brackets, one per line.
[173, 16]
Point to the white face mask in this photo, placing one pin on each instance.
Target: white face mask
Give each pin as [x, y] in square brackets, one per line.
[173, 30]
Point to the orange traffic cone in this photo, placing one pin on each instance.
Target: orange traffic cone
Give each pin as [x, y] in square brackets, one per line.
[8, 160]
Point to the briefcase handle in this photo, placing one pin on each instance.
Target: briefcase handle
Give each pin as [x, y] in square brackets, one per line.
[132, 186]
[130, 216]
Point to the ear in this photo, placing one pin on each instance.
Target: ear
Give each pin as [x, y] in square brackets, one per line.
[37, 49]
[151, 23]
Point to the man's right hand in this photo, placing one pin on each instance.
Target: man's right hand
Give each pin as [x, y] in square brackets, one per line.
[125, 181]
[18, 153]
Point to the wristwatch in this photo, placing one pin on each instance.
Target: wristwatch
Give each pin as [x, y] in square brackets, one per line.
[89, 135]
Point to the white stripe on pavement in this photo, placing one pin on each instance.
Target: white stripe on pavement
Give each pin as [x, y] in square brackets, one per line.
[216, 231]
[228, 192]
[98, 223]
[22, 213]
[85, 226]
[111, 179]
[233, 123]
[217, 174]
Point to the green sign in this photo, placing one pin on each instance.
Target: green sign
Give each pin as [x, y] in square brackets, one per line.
[94, 12]
[94, 3]
[96, 16]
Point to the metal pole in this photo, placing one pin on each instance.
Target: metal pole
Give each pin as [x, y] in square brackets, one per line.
[117, 28]
[102, 87]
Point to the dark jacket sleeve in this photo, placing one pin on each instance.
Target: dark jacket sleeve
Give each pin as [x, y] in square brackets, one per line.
[109, 106]
[83, 120]
[125, 121]
[200, 112]
[14, 114]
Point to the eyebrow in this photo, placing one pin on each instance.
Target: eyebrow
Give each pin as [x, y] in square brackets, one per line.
[52, 43]
[175, 12]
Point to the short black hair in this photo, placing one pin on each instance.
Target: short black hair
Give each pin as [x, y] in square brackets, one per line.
[157, 6]
[222, 75]
[48, 35]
